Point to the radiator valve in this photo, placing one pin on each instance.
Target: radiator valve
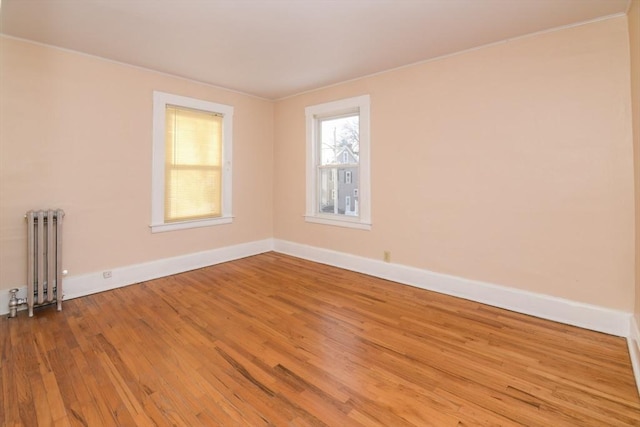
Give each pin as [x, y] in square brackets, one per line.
[14, 302]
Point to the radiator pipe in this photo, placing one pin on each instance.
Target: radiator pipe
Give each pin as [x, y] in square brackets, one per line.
[14, 302]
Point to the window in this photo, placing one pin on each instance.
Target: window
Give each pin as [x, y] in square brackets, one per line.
[191, 183]
[338, 147]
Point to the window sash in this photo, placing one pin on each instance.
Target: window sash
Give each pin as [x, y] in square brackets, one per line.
[330, 193]
[192, 192]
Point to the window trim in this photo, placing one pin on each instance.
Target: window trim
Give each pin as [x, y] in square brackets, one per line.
[160, 101]
[330, 109]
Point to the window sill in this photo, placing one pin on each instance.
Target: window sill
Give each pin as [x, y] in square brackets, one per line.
[171, 226]
[338, 222]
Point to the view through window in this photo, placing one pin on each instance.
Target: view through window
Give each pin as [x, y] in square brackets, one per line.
[338, 170]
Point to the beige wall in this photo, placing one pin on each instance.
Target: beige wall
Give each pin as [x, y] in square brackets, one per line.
[510, 164]
[75, 133]
[634, 38]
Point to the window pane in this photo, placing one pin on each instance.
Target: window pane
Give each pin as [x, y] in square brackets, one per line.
[339, 139]
[337, 190]
[192, 193]
[193, 137]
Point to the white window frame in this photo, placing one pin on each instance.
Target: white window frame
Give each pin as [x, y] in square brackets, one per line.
[313, 113]
[160, 101]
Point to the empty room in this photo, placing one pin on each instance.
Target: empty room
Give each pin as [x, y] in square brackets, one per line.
[320, 213]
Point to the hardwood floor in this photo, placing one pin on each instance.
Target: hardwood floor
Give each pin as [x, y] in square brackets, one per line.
[275, 340]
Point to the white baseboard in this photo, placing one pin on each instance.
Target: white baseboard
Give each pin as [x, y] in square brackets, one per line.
[634, 350]
[87, 284]
[586, 316]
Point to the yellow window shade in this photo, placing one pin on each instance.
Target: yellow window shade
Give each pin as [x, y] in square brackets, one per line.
[193, 164]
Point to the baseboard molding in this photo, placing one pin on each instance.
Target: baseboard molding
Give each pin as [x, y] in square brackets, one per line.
[561, 310]
[634, 350]
[587, 316]
[87, 284]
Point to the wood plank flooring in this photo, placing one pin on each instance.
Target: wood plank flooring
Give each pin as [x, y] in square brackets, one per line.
[275, 340]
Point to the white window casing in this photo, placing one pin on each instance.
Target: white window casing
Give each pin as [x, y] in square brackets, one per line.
[315, 113]
[160, 101]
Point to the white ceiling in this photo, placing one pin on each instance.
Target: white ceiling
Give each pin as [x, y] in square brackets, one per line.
[277, 48]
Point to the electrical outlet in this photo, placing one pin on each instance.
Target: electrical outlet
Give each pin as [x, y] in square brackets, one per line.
[106, 274]
[387, 256]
